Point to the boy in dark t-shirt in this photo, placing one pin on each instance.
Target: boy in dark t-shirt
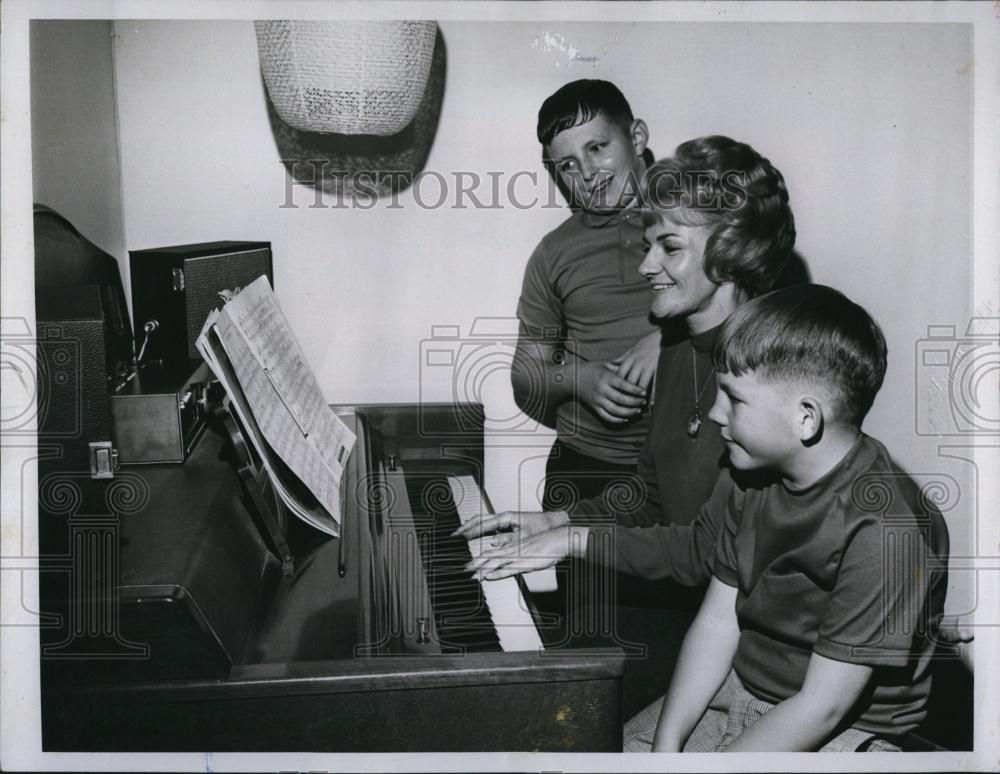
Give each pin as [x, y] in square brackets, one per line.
[830, 567]
[587, 347]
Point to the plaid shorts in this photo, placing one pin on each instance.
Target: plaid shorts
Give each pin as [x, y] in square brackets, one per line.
[732, 710]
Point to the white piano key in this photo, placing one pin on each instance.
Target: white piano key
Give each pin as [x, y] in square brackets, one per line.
[514, 624]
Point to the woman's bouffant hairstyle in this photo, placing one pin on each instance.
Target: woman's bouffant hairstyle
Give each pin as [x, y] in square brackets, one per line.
[728, 186]
[809, 333]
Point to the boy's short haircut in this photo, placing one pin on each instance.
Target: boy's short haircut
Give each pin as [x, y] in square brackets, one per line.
[726, 185]
[808, 333]
[581, 101]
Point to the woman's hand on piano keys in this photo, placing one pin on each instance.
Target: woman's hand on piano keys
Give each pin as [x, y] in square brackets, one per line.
[527, 523]
[518, 551]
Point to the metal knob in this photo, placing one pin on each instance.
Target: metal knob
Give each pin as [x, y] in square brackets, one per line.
[392, 462]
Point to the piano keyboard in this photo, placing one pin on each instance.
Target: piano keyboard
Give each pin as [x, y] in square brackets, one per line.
[513, 622]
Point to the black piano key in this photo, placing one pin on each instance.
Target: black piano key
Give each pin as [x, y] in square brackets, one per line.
[460, 613]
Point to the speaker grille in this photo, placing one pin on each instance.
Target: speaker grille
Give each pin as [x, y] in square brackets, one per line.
[205, 276]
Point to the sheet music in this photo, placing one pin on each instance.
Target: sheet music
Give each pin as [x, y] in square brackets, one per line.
[282, 392]
[214, 354]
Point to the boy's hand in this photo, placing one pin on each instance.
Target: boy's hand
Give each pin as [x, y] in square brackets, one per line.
[702, 666]
[613, 398]
[638, 363]
[951, 632]
[960, 637]
[811, 717]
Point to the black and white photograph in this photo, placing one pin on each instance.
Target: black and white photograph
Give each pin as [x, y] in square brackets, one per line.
[499, 386]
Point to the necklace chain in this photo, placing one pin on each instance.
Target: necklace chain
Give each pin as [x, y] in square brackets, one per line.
[694, 375]
[694, 420]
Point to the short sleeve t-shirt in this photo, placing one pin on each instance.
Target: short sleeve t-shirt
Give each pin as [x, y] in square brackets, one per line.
[582, 285]
[853, 568]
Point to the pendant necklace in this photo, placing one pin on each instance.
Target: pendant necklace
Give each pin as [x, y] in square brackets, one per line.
[695, 418]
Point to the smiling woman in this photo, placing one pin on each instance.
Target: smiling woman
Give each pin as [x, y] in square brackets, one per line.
[739, 200]
[718, 230]
[675, 268]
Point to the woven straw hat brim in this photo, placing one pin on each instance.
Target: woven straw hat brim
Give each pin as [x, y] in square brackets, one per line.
[356, 165]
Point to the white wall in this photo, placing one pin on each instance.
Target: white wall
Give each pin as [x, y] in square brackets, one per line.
[869, 123]
[74, 138]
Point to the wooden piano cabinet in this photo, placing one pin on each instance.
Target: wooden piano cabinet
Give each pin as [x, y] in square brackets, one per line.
[497, 701]
[243, 657]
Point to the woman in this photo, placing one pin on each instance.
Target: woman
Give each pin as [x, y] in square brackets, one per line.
[718, 230]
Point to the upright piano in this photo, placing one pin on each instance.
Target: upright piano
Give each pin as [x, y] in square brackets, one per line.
[185, 618]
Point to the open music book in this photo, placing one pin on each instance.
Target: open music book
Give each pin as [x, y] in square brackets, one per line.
[304, 446]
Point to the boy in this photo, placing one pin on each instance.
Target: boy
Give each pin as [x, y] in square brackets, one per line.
[587, 347]
[814, 632]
